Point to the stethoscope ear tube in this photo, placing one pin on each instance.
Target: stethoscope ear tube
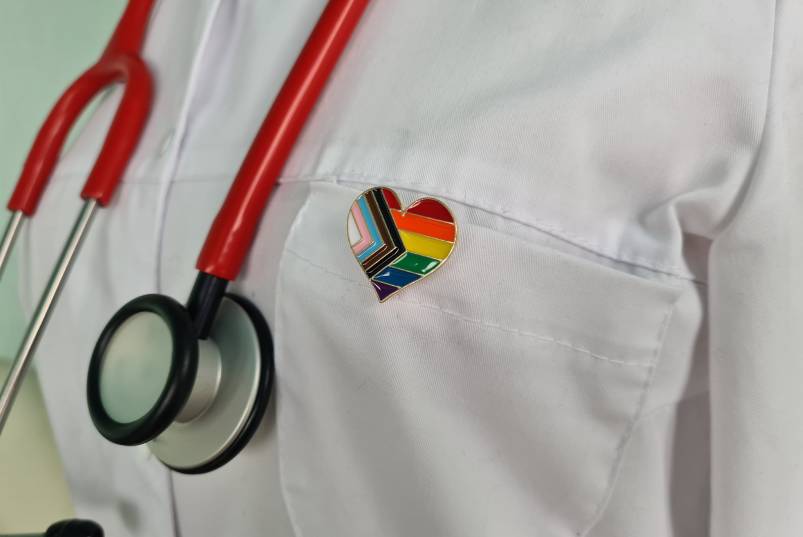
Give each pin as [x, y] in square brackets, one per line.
[119, 63]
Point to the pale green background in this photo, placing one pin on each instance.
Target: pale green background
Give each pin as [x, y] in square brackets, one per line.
[44, 45]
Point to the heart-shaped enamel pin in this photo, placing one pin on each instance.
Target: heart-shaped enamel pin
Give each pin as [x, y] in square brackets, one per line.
[396, 247]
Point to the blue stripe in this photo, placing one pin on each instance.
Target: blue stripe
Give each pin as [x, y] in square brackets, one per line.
[369, 221]
[396, 277]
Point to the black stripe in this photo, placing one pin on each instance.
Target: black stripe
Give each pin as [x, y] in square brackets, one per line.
[397, 248]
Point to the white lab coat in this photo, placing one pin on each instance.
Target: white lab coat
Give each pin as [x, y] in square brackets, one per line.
[611, 351]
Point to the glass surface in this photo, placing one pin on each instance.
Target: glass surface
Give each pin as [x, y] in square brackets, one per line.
[135, 367]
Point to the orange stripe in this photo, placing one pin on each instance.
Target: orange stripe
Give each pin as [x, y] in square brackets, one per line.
[423, 225]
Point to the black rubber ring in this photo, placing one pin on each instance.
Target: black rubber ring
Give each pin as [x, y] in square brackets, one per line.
[74, 528]
[180, 379]
[266, 373]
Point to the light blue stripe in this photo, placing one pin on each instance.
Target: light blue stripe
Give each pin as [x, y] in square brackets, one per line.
[369, 221]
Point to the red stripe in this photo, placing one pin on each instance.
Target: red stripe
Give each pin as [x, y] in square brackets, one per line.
[431, 208]
[391, 199]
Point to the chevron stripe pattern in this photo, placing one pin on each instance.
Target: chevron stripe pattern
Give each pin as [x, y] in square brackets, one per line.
[396, 247]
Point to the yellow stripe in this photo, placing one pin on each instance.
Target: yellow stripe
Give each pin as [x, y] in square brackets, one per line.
[427, 246]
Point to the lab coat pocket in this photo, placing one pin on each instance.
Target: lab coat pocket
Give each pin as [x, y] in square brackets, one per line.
[493, 398]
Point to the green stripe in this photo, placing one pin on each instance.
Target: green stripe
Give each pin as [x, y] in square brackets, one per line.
[416, 263]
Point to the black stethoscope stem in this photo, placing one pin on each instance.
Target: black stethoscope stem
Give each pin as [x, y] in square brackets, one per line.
[204, 302]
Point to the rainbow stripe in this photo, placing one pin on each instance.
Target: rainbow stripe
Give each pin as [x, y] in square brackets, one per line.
[397, 247]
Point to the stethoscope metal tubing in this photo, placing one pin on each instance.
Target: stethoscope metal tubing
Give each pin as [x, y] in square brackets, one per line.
[9, 236]
[32, 335]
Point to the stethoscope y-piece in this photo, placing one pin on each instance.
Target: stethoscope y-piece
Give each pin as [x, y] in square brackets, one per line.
[119, 63]
[193, 381]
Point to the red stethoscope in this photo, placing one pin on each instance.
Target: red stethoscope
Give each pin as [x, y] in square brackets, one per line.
[191, 381]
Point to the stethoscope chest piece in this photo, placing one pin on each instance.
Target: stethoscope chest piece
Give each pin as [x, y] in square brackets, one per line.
[222, 429]
[193, 382]
[195, 402]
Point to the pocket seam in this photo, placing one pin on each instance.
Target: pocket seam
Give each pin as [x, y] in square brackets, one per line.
[280, 441]
[660, 340]
[495, 326]
[360, 177]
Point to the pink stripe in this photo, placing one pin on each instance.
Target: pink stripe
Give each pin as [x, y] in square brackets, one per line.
[365, 237]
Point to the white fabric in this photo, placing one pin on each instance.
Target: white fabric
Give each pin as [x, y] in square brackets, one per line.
[609, 352]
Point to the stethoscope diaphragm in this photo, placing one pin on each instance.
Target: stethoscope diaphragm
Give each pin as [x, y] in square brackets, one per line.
[195, 402]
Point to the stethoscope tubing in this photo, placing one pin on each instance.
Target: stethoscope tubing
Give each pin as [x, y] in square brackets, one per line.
[233, 229]
[34, 331]
[120, 62]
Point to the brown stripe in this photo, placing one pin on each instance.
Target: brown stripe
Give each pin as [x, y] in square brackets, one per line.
[388, 252]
